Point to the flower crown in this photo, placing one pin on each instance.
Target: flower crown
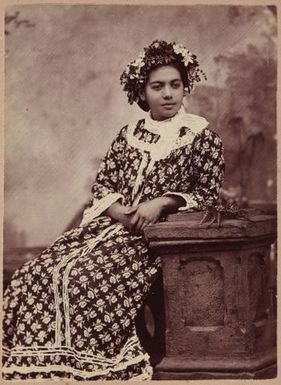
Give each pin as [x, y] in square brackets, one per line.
[159, 53]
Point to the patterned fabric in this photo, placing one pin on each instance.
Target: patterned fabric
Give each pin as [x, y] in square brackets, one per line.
[70, 312]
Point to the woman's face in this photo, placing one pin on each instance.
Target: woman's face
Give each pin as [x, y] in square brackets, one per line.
[164, 92]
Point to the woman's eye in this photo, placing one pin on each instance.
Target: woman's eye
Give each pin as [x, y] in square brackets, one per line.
[156, 87]
[176, 85]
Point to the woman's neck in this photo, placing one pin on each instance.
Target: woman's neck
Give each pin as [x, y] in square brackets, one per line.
[180, 111]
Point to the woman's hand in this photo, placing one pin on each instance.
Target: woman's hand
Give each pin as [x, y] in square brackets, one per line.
[144, 214]
[136, 218]
[147, 213]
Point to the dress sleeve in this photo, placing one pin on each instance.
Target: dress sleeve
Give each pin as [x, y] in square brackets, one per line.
[208, 172]
[105, 188]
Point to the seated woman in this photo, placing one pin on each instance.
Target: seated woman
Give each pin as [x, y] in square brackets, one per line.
[70, 312]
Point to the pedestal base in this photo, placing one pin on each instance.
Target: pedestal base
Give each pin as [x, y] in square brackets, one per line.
[173, 368]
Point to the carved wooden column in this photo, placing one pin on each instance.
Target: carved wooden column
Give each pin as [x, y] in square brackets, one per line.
[219, 313]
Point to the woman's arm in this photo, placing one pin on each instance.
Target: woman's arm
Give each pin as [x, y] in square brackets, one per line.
[208, 172]
[118, 212]
[105, 188]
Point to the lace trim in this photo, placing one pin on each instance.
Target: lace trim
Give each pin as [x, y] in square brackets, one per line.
[181, 119]
[139, 177]
[68, 263]
[98, 207]
[190, 202]
[163, 127]
[68, 369]
[169, 136]
[146, 375]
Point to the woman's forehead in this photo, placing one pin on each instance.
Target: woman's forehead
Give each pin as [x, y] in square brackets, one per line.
[164, 74]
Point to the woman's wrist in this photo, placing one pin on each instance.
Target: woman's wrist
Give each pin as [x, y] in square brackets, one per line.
[115, 211]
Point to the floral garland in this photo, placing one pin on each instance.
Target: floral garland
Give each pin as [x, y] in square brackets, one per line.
[158, 53]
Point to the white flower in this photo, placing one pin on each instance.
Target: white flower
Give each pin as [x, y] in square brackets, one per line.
[93, 341]
[107, 338]
[75, 290]
[80, 344]
[126, 322]
[28, 316]
[137, 62]
[87, 332]
[93, 314]
[79, 318]
[126, 272]
[99, 325]
[104, 286]
[13, 303]
[44, 281]
[82, 304]
[15, 283]
[21, 327]
[100, 304]
[187, 58]
[28, 338]
[107, 318]
[35, 288]
[46, 318]
[38, 308]
[90, 294]
[181, 50]
[99, 275]
[35, 326]
[115, 326]
[41, 335]
[83, 278]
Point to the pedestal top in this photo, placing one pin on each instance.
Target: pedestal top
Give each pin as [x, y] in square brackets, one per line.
[187, 226]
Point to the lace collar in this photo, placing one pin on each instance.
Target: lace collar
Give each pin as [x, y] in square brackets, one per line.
[170, 127]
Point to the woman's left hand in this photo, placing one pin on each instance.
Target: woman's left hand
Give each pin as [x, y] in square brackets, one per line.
[144, 214]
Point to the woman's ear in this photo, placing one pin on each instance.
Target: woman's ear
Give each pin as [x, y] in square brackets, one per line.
[142, 96]
[185, 91]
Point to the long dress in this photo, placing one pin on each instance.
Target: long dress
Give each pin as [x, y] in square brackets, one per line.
[69, 313]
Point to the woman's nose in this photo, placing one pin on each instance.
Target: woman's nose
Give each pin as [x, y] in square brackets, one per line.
[167, 94]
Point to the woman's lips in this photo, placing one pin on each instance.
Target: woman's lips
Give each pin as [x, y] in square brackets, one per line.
[168, 106]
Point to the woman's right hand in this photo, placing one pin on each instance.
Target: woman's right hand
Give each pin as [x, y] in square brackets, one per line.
[118, 212]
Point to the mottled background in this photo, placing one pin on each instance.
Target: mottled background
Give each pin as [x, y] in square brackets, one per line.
[64, 103]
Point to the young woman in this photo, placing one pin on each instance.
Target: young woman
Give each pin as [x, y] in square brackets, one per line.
[70, 312]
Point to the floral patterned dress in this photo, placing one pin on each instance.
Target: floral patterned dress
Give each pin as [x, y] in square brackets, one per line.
[70, 312]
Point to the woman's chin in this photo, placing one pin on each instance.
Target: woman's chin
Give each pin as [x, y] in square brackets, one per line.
[165, 114]
[169, 114]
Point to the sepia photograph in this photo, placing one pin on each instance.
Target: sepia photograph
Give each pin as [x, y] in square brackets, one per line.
[140, 192]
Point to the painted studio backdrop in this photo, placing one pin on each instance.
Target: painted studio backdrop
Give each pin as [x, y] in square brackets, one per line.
[64, 103]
